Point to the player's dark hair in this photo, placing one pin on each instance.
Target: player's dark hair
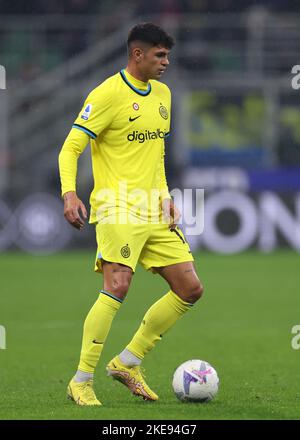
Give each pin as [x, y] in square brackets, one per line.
[151, 34]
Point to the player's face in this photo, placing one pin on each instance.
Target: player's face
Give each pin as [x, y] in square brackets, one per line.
[155, 61]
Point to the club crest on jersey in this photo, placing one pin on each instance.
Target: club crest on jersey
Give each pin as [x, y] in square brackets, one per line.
[163, 112]
[86, 113]
[135, 106]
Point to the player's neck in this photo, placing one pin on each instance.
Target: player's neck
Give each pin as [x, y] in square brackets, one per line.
[133, 71]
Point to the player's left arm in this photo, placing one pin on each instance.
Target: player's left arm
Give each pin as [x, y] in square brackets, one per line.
[169, 209]
[171, 213]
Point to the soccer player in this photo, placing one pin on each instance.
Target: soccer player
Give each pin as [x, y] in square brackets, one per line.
[126, 119]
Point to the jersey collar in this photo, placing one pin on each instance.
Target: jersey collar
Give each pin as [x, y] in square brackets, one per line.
[126, 76]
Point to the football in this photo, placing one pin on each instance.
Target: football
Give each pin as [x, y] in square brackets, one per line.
[195, 381]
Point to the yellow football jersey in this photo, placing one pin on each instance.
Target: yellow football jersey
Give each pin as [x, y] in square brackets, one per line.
[127, 121]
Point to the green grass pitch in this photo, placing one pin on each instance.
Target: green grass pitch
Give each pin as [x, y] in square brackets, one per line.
[242, 326]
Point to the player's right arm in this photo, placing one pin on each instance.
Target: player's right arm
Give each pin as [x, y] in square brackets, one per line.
[94, 117]
[74, 209]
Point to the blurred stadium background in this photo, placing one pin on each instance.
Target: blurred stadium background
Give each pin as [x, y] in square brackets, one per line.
[236, 117]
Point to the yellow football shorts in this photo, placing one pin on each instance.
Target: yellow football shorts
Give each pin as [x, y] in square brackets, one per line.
[152, 245]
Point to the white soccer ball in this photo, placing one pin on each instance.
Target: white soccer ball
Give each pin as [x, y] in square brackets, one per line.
[195, 381]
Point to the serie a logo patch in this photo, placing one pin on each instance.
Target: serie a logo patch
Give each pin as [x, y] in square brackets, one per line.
[86, 113]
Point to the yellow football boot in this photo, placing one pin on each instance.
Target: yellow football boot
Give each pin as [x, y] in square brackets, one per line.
[131, 377]
[82, 393]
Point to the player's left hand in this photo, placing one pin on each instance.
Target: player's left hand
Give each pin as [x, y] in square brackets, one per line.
[171, 213]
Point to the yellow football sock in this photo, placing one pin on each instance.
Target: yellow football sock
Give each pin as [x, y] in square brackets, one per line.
[159, 318]
[96, 328]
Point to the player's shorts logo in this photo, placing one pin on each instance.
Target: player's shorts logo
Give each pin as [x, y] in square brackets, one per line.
[163, 112]
[125, 251]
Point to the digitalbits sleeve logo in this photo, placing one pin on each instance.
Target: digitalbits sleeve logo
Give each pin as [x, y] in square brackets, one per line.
[86, 113]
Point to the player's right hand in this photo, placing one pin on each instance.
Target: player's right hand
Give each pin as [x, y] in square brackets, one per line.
[74, 210]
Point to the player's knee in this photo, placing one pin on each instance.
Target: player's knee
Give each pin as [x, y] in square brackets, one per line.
[120, 288]
[195, 292]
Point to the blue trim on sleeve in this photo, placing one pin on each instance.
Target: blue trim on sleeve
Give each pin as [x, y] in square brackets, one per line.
[86, 130]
